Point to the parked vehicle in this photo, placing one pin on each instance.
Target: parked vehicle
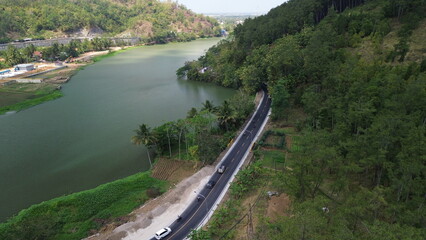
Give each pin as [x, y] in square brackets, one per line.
[162, 233]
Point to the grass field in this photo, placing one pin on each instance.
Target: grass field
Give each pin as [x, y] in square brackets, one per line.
[17, 97]
[273, 159]
[75, 215]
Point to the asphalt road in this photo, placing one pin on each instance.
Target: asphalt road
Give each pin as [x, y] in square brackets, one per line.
[198, 209]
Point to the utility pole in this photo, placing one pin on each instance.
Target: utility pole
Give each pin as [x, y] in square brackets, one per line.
[250, 231]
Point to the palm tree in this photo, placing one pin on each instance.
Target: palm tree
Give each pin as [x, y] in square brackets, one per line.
[226, 115]
[191, 113]
[208, 106]
[181, 126]
[144, 136]
[171, 131]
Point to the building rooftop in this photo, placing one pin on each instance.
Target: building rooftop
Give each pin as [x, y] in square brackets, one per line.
[24, 65]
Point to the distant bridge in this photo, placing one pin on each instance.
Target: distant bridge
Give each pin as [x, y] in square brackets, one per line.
[50, 42]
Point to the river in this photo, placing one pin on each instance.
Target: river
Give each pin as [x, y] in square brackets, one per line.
[82, 140]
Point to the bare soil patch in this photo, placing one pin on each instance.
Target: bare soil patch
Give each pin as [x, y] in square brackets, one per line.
[288, 141]
[164, 168]
[186, 169]
[244, 230]
[88, 56]
[272, 139]
[278, 206]
[173, 170]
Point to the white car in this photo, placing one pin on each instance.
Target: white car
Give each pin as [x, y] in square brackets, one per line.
[162, 233]
[221, 169]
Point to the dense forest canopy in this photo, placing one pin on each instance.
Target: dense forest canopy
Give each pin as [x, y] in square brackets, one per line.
[146, 18]
[357, 71]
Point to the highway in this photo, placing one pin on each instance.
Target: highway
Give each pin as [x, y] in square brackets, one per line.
[197, 211]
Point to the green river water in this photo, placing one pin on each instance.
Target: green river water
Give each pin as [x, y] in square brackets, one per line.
[82, 140]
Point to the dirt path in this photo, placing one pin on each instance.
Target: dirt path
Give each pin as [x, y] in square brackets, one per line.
[159, 212]
[87, 56]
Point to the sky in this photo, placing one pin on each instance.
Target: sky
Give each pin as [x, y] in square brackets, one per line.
[231, 6]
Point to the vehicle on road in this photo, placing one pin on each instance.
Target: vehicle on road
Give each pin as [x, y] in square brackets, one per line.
[221, 169]
[211, 184]
[162, 233]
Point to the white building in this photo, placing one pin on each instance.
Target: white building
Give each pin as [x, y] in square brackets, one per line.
[24, 67]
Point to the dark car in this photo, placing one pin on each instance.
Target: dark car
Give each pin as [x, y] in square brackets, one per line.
[211, 184]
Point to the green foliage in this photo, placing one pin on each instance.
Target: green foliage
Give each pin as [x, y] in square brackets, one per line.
[400, 49]
[109, 54]
[100, 44]
[223, 218]
[361, 152]
[31, 102]
[269, 133]
[203, 134]
[149, 19]
[243, 105]
[28, 53]
[253, 72]
[199, 234]
[281, 97]
[191, 113]
[273, 159]
[13, 56]
[246, 180]
[144, 136]
[73, 216]
[229, 217]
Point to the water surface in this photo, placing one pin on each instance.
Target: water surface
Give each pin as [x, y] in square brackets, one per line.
[83, 139]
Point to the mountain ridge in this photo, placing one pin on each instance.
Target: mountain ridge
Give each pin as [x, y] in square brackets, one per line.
[125, 18]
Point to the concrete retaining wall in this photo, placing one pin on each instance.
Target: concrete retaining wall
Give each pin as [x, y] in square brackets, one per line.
[25, 80]
[48, 43]
[50, 70]
[8, 82]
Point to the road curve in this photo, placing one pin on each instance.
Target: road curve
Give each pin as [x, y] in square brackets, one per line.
[198, 211]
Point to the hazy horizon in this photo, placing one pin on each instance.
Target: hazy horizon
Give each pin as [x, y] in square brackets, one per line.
[231, 7]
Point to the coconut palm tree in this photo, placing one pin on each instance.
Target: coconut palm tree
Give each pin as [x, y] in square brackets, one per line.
[171, 131]
[208, 106]
[226, 115]
[144, 136]
[181, 126]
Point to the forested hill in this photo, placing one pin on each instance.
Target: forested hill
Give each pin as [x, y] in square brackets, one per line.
[350, 77]
[58, 18]
[289, 18]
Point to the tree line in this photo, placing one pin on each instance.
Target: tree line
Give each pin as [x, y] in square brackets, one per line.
[61, 52]
[201, 136]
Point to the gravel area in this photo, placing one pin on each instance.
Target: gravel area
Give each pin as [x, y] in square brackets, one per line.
[159, 212]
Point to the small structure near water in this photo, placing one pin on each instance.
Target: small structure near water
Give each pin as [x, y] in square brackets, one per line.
[24, 67]
[4, 72]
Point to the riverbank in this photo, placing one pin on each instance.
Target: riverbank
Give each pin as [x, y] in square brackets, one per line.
[75, 215]
[108, 208]
[17, 96]
[87, 132]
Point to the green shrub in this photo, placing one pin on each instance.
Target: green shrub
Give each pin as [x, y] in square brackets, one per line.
[73, 216]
